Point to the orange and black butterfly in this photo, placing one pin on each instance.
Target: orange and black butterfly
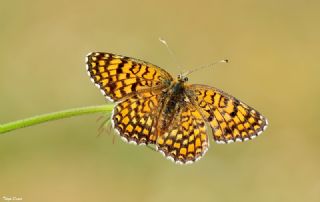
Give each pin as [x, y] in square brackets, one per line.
[153, 108]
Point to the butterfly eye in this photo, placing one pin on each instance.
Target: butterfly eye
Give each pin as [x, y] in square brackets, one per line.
[179, 77]
[185, 78]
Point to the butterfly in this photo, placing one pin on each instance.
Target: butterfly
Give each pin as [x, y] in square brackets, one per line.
[153, 108]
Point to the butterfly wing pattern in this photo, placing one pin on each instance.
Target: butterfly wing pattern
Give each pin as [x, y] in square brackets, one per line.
[135, 86]
[153, 108]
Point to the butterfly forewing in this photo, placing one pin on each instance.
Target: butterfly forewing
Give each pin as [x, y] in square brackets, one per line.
[119, 76]
[230, 119]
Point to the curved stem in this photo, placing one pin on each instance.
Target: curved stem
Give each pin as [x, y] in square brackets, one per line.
[7, 127]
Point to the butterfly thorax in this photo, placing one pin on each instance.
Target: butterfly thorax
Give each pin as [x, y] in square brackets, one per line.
[173, 99]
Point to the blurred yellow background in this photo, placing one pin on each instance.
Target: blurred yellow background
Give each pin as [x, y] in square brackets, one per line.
[273, 47]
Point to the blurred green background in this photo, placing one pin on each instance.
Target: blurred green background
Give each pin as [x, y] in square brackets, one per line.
[273, 47]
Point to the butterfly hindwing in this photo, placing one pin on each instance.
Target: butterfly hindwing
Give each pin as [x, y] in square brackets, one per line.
[230, 119]
[119, 76]
[135, 118]
[186, 140]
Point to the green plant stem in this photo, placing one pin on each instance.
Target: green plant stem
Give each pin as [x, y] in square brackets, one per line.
[7, 127]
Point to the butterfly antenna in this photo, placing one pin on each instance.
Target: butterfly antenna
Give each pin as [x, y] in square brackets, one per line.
[205, 66]
[173, 56]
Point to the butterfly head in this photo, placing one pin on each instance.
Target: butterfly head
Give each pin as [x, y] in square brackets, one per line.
[182, 78]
